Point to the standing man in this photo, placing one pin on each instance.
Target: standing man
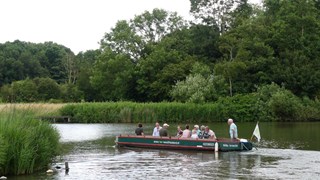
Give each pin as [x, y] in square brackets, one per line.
[163, 131]
[233, 131]
[156, 130]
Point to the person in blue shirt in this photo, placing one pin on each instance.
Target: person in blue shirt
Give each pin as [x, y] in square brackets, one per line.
[233, 131]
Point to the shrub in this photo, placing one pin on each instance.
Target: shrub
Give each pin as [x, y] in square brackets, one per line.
[240, 107]
[284, 106]
[26, 145]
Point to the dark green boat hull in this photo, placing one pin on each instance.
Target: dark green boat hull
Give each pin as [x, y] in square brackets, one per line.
[182, 143]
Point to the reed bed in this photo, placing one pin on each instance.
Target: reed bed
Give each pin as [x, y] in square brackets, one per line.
[38, 109]
[26, 144]
[131, 112]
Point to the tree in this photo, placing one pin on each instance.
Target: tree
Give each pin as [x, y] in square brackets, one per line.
[160, 70]
[71, 67]
[194, 89]
[247, 44]
[7, 94]
[20, 60]
[112, 75]
[131, 37]
[86, 62]
[295, 35]
[230, 70]
[71, 93]
[24, 91]
[153, 26]
[55, 56]
[47, 89]
[123, 39]
[215, 12]
[171, 60]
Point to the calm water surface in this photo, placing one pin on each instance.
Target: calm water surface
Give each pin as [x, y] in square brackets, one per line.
[287, 151]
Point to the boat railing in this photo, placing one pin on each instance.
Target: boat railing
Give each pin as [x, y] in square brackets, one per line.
[180, 138]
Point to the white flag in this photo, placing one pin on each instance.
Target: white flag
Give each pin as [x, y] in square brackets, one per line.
[256, 132]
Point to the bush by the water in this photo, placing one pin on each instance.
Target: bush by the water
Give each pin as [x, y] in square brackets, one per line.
[26, 144]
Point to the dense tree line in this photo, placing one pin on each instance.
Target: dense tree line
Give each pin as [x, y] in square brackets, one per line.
[229, 49]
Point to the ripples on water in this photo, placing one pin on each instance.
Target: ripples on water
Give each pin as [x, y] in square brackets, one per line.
[123, 163]
[91, 154]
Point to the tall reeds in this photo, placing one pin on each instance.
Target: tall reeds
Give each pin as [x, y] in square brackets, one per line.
[26, 144]
[130, 112]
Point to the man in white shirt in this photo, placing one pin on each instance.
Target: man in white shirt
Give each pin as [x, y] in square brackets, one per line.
[156, 130]
[233, 131]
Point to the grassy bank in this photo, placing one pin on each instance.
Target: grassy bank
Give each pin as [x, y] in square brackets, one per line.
[26, 144]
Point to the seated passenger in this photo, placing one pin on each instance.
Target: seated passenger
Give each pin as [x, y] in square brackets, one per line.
[163, 131]
[186, 133]
[139, 130]
[208, 133]
[197, 129]
[194, 134]
[179, 132]
[201, 132]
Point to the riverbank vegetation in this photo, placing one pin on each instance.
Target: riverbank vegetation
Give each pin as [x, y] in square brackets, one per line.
[224, 57]
[26, 144]
[36, 109]
[269, 103]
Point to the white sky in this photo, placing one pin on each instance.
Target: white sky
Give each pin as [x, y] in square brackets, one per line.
[76, 24]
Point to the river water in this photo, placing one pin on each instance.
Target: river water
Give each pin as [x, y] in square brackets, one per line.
[287, 151]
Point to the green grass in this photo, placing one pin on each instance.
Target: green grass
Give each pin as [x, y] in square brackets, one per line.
[26, 144]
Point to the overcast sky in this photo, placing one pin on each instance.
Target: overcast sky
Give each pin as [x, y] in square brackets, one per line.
[76, 24]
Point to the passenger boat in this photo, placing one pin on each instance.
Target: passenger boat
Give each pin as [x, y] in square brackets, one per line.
[183, 143]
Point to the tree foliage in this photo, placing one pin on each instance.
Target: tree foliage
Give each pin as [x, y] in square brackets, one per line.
[218, 12]
[156, 56]
[132, 37]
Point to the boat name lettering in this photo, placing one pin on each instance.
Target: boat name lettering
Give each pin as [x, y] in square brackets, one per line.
[230, 145]
[208, 144]
[166, 142]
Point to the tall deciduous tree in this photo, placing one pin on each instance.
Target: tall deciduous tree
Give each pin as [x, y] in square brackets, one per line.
[215, 12]
[153, 26]
[131, 37]
[71, 67]
[86, 62]
[123, 39]
[295, 35]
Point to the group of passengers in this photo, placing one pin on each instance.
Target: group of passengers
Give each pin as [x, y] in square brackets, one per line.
[196, 133]
[204, 132]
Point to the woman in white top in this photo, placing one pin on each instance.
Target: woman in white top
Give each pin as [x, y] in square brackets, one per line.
[156, 130]
[194, 134]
